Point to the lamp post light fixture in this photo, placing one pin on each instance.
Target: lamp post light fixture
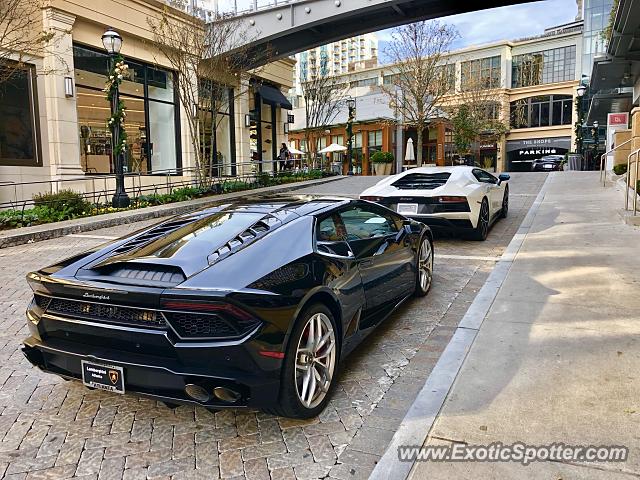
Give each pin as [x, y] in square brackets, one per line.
[112, 42]
[351, 106]
[580, 89]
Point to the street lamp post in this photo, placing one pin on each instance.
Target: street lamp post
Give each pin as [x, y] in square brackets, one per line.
[351, 105]
[596, 140]
[112, 42]
[581, 89]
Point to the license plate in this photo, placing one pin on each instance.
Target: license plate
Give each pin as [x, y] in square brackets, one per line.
[548, 167]
[104, 377]
[407, 208]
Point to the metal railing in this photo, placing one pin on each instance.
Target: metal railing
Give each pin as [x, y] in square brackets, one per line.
[168, 180]
[636, 154]
[603, 175]
[231, 8]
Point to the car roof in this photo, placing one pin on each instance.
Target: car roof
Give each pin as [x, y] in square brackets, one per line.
[450, 169]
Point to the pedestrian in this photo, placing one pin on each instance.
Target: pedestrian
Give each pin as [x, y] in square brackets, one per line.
[284, 156]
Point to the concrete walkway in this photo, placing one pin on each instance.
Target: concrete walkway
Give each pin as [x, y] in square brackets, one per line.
[557, 357]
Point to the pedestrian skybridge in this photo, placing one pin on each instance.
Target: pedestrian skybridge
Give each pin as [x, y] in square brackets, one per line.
[298, 25]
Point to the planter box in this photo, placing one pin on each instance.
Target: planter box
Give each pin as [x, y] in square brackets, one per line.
[382, 168]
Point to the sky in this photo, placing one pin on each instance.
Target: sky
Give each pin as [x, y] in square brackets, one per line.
[475, 28]
[504, 23]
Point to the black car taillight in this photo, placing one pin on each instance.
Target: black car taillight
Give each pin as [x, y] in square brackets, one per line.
[208, 308]
[208, 320]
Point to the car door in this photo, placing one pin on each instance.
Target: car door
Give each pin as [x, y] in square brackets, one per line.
[339, 271]
[494, 190]
[384, 257]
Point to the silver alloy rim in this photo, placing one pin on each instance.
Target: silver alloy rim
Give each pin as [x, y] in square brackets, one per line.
[315, 360]
[425, 265]
[484, 218]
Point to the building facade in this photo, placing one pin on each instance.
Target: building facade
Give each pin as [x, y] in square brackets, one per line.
[596, 15]
[54, 125]
[336, 58]
[534, 83]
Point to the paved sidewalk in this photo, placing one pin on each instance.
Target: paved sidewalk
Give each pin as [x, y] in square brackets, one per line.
[557, 358]
[552, 347]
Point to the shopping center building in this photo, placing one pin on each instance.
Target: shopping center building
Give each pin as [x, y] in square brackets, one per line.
[535, 76]
[54, 125]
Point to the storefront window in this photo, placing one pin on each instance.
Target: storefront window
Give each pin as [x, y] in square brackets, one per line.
[19, 135]
[267, 127]
[548, 66]
[541, 111]
[152, 123]
[217, 132]
[481, 73]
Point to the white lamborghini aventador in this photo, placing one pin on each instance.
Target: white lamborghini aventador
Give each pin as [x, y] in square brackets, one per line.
[460, 198]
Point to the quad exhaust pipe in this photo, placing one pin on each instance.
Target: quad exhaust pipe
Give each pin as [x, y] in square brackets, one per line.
[202, 395]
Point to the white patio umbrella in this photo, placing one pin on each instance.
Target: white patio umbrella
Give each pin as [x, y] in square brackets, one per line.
[409, 155]
[295, 151]
[334, 147]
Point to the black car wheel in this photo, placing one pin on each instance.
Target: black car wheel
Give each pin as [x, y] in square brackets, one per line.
[505, 203]
[482, 228]
[310, 364]
[424, 271]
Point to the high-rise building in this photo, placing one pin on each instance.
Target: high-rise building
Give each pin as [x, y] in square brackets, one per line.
[336, 58]
[596, 17]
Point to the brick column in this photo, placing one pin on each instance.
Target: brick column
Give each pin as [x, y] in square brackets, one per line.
[440, 144]
[62, 113]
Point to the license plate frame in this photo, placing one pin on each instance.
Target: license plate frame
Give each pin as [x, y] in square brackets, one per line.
[407, 208]
[102, 376]
[547, 166]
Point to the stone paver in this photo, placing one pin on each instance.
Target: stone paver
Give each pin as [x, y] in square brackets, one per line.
[50, 428]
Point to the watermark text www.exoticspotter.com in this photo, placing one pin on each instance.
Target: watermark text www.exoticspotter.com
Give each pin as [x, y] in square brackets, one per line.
[516, 452]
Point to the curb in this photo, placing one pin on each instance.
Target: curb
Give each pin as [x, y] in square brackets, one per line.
[424, 410]
[47, 231]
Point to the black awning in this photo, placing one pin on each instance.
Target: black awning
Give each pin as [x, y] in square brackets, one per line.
[273, 96]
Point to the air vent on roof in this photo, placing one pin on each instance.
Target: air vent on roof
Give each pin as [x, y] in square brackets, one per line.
[153, 234]
[421, 181]
[243, 239]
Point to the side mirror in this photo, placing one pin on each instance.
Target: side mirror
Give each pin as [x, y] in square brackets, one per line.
[503, 177]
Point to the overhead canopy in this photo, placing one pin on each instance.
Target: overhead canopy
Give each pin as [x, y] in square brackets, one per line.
[273, 96]
[615, 76]
[334, 147]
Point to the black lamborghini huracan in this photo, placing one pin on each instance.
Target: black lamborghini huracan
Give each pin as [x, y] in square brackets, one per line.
[251, 303]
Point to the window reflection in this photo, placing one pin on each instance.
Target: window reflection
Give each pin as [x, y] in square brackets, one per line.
[148, 93]
[18, 126]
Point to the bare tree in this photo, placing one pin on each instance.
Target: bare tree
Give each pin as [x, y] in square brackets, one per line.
[322, 97]
[213, 59]
[423, 75]
[22, 37]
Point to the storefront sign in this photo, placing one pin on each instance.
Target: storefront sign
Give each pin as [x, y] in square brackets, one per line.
[615, 119]
[523, 152]
[536, 147]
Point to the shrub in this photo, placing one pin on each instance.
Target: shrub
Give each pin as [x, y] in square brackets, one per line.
[620, 169]
[382, 157]
[65, 202]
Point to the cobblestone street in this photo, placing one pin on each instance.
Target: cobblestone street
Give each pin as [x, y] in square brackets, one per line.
[50, 428]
